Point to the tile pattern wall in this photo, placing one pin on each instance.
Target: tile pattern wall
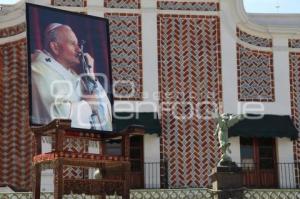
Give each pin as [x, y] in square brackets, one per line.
[253, 40]
[12, 30]
[15, 135]
[294, 58]
[72, 3]
[189, 61]
[294, 43]
[127, 4]
[126, 55]
[197, 6]
[255, 75]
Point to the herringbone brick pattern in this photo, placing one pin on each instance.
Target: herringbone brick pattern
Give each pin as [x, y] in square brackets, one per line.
[126, 55]
[72, 3]
[12, 30]
[198, 6]
[255, 75]
[253, 40]
[294, 43]
[127, 4]
[15, 134]
[190, 87]
[294, 59]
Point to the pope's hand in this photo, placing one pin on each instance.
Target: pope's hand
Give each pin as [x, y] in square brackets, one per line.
[90, 61]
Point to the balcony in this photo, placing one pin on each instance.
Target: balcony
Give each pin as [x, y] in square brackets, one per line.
[277, 176]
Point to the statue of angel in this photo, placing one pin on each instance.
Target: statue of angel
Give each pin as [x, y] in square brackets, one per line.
[224, 122]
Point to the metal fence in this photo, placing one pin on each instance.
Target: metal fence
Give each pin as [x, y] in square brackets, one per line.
[279, 175]
[156, 175]
[195, 193]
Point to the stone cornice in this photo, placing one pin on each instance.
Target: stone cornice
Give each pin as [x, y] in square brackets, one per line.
[12, 15]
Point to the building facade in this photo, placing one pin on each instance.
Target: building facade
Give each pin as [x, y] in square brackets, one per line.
[182, 59]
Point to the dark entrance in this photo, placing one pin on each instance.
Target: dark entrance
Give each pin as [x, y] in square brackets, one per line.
[137, 162]
[136, 159]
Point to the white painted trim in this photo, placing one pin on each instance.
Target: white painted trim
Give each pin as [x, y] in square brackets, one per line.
[96, 3]
[253, 47]
[119, 10]
[16, 5]
[151, 155]
[254, 33]
[284, 149]
[12, 38]
[69, 8]
[12, 16]
[243, 20]
[235, 148]
[13, 22]
[294, 50]
[40, 2]
[189, 12]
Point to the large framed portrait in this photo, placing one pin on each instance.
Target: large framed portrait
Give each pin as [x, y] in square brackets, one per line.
[69, 68]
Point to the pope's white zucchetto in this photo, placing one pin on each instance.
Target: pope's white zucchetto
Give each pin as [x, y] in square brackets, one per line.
[52, 26]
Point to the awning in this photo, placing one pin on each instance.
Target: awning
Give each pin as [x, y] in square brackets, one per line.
[149, 120]
[266, 126]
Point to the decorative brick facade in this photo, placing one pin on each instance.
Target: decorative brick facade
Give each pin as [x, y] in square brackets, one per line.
[15, 134]
[294, 43]
[294, 58]
[197, 6]
[189, 64]
[295, 87]
[72, 3]
[127, 4]
[126, 55]
[12, 30]
[255, 75]
[253, 40]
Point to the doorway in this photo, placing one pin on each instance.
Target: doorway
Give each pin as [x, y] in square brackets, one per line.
[137, 162]
[136, 179]
[258, 160]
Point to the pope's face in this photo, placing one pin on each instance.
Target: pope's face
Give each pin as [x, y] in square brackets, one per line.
[68, 48]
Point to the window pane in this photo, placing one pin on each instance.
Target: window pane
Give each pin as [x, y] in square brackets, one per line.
[265, 152]
[266, 164]
[135, 153]
[136, 165]
[247, 153]
[246, 141]
[263, 142]
[135, 141]
[246, 148]
[113, 149]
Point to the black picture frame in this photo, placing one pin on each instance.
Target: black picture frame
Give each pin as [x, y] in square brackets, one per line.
[94, 30]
